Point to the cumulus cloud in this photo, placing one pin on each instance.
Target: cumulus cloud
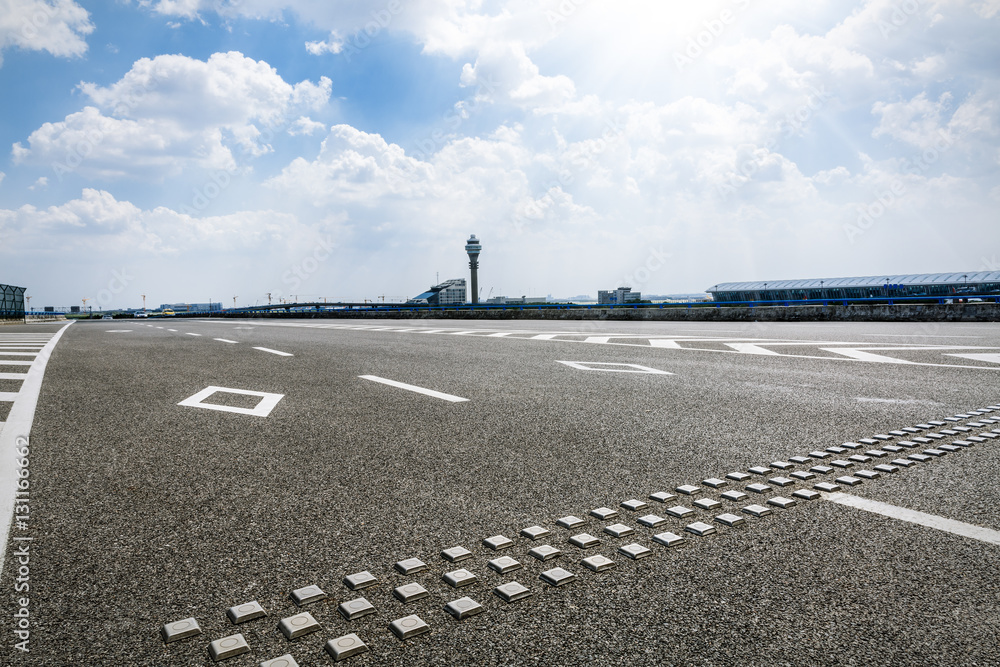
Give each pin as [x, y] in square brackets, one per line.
[304, 125]
[171, 112]
[58, 27]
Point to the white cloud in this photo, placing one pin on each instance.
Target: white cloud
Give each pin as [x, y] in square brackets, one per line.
[39, 184]
[333, 45]
[172, 112]
[304, 125]
[58, 27]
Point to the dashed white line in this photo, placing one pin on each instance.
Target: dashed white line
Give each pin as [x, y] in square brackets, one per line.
[920, 518]
[174, 330]
[414, 388]
[224, 340]
[192, 334]
[277, 352]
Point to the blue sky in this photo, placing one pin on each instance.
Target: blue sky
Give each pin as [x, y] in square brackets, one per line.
[195, 149]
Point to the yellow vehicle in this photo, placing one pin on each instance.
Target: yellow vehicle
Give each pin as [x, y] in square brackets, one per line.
[167, 313]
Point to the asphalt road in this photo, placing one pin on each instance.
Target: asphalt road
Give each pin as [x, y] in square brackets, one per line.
[145, 512]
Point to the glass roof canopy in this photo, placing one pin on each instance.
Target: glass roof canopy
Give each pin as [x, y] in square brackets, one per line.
[971, 277]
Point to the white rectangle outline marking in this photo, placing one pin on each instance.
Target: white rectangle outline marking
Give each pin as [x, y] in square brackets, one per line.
[414, 388]
[263, 408]
[920, 518]
[585, 366]
[277, 352]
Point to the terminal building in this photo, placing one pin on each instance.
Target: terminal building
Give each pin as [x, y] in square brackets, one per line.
[618, 297]
[448, 293]
[934, 285]
[192, 307]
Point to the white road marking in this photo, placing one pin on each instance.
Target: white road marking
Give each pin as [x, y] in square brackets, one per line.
[599, 340]
[16, 430]
[224, 340]
[987, 357]
[920, 518]
[750, 348]
[118, 331]
[613, 367]
[21, 347]
[414, 388]
[277, 352]
[12, 362]
[174, 330]
[18, 354]
[192, 334]
[668, 343]
[13, 376]
[861, 355]
[263, 408]
[8, 396]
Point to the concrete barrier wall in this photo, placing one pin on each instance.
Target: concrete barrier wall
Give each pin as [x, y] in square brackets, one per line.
[956, 312]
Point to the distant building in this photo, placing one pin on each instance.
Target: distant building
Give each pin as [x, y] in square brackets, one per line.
[867, 287]
[448, 293]
[515, 300]
[618, 297]
[192, 307]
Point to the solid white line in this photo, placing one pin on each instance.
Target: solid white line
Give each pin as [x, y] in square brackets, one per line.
[277, 352]
[18, 354]
[13, 376]
[224, 340]
[414, 388]
[10, 362]
[920, 518]
[17, 428]
[21, 347]
[8, 396]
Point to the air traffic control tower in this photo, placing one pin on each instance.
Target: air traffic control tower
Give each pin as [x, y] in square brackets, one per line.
[473, 247]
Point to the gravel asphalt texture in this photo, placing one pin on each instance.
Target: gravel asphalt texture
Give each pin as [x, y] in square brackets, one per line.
[146, 512]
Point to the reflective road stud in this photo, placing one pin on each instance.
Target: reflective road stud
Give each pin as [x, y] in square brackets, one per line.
[464, 608]
[707, 503]
[571, 522]
[512, 592]
[730, 519]
[410, 592]
[840, 463]
[855, 445]
[803, 475]
[866, 474]
[689, 489]
[760, 470]
[715, 482]
[410, 566]
[782, 465]
[557, 576]
[759, 488]
[875, 453]
[459, 578]
[920, 458]
[504, 564]
[783, 503]
[756, 510]
[281, 661]
[662, 496]
[296, 626]
[819, 455]
[598, 563]
[345, 647]
[545, 552]
[651, 520]
[781, 481]
[603, 513]
[356, 608]
[178, 630]
[700, 528]
[935, 452]
[679, 511]
[822, 470]
[884, 467]
[456, 554]
[858, 458]
[307, 595]
[360, 580]
[733, 496]
[635, 551]
[902, 463]
[668, 539]
[498, 542]
[805, 494]
[847, 480]
[584, 540]
[619, 530]
[242, 613]
[738, 476]
[893, 448]
[536, 532]
[228, 647]
[634, 505]
[409, 627]
[799, 459]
